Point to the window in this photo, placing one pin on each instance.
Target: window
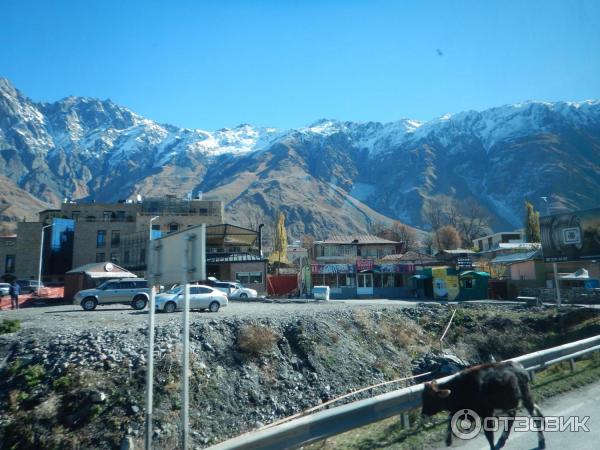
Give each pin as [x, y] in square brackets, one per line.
[128, 285]
[156, 227]
[121, 216]
[203, 211]
[141, 284]
[173, 227]
[330, 279]
[249, 277]
[114, 257]
[101, 238]
[143, 256]
[469, 283]
[115, 238]
[100, 257]
[75, 215]
[9, 264]
[205, 290]
[126, 257]
[106, 216]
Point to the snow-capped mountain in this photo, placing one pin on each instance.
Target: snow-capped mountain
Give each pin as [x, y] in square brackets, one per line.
[331, 176]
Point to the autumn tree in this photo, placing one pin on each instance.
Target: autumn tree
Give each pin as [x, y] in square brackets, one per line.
[448, 238]
[280, 242]
[532, 223]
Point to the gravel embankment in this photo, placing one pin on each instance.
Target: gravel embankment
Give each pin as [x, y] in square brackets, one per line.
[75, 379]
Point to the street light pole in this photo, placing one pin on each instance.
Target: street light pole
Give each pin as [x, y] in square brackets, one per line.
[41, 258]
[554, 266]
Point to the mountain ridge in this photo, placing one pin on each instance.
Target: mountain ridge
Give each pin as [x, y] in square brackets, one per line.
[90, 149]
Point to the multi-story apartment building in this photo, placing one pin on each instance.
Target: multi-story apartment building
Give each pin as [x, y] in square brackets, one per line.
[80, 233]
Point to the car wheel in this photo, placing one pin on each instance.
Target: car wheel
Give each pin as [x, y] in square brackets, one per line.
[170, 307]
[139, 302]
[89, 304]
[214, 307]
[244, 295]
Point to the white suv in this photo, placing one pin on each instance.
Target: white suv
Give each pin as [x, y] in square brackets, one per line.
[129, 291]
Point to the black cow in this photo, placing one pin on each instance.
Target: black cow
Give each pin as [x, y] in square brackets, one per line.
[484, 389]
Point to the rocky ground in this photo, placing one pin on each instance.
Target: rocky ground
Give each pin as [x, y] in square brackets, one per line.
[76, 380]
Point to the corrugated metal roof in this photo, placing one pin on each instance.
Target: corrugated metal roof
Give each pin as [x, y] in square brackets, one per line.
[459, 251]
[411, 256]
[516, 257]
[234, 258]
[356, 239]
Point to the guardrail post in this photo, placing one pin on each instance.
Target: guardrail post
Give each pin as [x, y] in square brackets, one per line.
[531, 376]
[572, 364]
[405, 420]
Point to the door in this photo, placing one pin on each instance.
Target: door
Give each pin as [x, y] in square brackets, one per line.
[111, 293]
[195, 298]
[365, 284]
[204, 297]
[127, 291]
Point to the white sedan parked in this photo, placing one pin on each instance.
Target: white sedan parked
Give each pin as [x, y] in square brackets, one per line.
[235, 290]
[201, 297]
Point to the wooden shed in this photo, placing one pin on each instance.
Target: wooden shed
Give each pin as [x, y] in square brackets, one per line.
[91, 275]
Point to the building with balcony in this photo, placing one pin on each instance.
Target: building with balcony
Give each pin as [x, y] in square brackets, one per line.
[80, 233]
[355, 266]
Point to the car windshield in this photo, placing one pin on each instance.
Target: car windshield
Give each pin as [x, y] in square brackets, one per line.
[176, 290]
[103, 285]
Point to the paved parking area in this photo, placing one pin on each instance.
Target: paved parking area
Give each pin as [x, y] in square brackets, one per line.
[73, 317]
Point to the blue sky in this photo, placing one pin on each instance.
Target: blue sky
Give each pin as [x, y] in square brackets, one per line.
[286, 64]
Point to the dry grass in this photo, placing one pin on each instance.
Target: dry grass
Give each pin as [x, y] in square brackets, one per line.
[256, 340]
[362, 319]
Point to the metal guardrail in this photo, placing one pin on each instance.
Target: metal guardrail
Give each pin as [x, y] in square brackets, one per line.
[343, 418]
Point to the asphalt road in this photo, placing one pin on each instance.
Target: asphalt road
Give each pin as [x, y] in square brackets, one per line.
[581, 402]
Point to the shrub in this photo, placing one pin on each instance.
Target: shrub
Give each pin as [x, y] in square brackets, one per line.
[256, 339]
[10, 326]
[33, 374]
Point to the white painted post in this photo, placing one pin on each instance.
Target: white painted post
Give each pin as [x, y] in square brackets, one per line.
[150, 366]
[558, 299]
[185, 360]
[151, 265]
[41, 259]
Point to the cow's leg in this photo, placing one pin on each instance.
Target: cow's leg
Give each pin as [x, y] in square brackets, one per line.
[449, 432]
[535, 412]
[509, 423]
[489, 434]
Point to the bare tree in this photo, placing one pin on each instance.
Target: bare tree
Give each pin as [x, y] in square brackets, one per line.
[474, 221]
[448, 238]
[429, 242]
[405, 235]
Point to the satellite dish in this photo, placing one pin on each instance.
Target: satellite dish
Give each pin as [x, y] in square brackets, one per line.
[109, 267]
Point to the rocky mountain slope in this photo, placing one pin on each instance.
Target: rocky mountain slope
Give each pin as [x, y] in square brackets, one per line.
[329, 177]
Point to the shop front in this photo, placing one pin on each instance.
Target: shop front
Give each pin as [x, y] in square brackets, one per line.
[364, 280]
